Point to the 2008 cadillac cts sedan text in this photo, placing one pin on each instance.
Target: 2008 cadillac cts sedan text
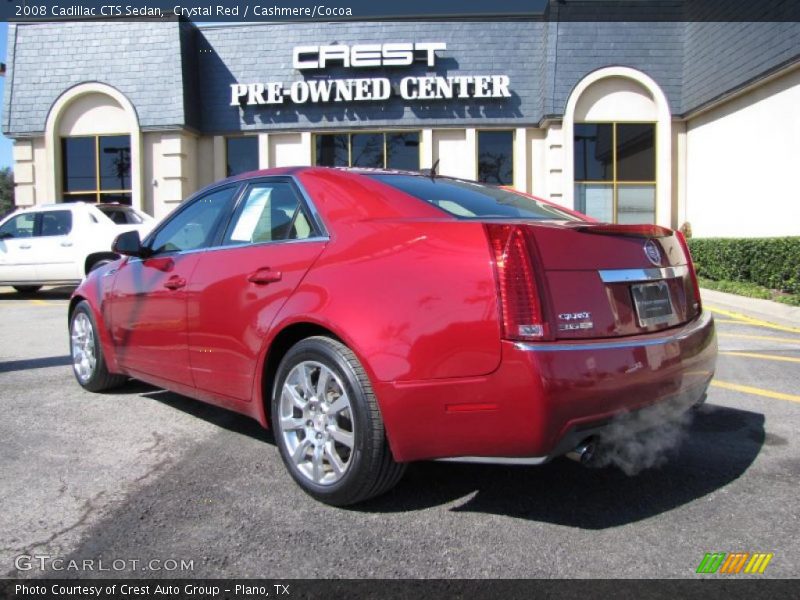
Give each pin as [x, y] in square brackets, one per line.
[373, 318]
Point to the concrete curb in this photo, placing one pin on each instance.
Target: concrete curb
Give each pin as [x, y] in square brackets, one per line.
[764, 310]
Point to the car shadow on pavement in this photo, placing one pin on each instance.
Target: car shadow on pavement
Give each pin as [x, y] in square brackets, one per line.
[62, 292]
[220, 417]
[35, 363]
[721, 445]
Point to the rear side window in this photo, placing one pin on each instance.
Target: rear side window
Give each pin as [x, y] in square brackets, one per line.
[269, 212]
[469, 200]
[20, 226]
[56, 222]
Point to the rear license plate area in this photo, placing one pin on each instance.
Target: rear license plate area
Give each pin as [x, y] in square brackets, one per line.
[653, 303]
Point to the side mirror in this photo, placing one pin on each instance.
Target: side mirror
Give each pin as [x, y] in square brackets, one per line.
[129, 244]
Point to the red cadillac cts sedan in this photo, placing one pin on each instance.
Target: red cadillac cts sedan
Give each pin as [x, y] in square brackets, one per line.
[373, 318]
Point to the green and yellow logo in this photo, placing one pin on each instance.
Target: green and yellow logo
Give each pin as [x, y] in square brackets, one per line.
[734, 562]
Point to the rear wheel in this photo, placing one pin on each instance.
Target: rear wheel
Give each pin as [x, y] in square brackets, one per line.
[88, 362]
[27, 289]
[328, 426]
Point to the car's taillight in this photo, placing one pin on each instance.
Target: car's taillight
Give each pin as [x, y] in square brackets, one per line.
[520, 302]
[692, 272]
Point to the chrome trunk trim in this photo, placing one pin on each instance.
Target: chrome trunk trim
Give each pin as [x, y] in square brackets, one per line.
[655, 274]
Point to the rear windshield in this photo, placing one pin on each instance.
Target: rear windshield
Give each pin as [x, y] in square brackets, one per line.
[121, 215]
[469, 200]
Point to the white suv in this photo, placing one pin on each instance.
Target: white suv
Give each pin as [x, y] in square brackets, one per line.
[58, 244]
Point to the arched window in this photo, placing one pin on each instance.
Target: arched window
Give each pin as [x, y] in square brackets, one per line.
[93, 141]
[617, 138]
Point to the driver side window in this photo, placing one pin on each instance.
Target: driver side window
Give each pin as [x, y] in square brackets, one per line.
[193, 227]
[20, 226]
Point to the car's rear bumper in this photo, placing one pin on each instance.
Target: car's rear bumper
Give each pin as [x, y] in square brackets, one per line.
[545, 398]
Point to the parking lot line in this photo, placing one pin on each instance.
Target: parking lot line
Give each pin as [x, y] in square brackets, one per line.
[762, 356]
[767, 338]
[746, 389]
[738, 317]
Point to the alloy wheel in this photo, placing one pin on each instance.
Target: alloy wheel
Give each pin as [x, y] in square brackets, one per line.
[84, 359]
[316, 422]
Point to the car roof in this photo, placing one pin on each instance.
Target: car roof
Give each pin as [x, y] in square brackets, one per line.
[310, 169]
[55, 206]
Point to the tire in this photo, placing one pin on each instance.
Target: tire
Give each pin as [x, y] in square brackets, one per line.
[88, 362]
[27, 289]
[342, 422]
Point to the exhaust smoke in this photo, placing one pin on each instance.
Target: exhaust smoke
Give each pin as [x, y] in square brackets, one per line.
[643, 439]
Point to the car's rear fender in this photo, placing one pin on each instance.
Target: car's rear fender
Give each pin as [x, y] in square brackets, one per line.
[416, 298]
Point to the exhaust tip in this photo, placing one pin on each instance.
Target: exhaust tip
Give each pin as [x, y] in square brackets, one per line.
[583, 453]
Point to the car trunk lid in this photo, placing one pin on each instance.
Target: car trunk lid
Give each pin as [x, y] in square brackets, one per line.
[597, 280]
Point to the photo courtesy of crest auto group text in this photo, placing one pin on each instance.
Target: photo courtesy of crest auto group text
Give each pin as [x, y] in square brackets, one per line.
[399, 300]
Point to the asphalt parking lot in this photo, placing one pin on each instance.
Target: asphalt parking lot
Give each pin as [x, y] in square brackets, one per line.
[145, 474]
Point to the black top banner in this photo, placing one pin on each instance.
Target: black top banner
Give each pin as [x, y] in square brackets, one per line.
[365, 10]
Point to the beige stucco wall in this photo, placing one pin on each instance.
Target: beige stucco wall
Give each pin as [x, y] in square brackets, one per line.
[289, 149]
[741, 164]
[456, 152]
[30, 172]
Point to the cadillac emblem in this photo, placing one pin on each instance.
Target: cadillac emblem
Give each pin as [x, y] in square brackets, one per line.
[652, 252]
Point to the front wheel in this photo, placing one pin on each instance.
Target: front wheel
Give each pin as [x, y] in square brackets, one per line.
[88, 362]
[328, 426]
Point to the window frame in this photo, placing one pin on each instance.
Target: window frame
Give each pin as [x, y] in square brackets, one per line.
[12, 217]
[615, 183]
[39, 223]
[351, 132]
[223, 219]
[318, 233]
[97, 191]
[513, 133]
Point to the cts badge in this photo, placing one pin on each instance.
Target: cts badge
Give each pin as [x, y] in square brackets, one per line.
[652, 252]
[575, 321]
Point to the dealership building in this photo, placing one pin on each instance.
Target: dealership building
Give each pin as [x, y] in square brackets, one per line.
[662, 122]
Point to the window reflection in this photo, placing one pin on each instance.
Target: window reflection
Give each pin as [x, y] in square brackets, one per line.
[366, 150]
[402, 151]
[636, 152]
[96, 168]
[496, 157]
[115, 162]
[615, 171]
[593, 152]
[393, 150]
[241, 155]
[332, 150]
[78, 157]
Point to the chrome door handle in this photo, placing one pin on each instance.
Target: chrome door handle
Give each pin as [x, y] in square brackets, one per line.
[66, 244]
[26, 247]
